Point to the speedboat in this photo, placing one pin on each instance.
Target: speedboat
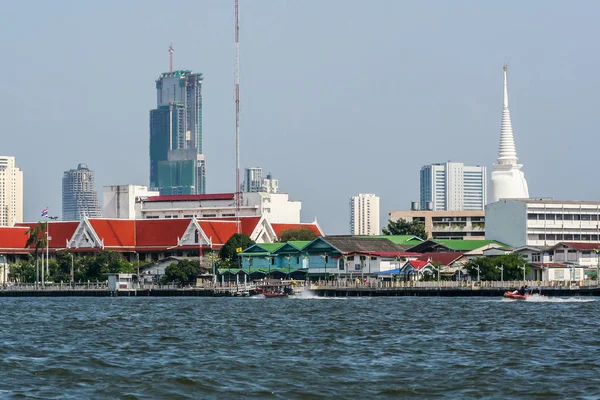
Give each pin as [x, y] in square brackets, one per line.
[512, 296]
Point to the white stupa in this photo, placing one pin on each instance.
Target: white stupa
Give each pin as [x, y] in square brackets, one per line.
[508, 181]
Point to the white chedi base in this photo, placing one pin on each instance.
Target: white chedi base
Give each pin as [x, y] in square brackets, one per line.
[508, 184]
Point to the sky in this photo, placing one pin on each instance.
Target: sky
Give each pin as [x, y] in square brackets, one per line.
[338, 97]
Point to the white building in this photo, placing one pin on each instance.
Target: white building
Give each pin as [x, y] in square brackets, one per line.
[252, 180]
[364, 214]
[269, 185]
[275, 207]
[542, 222]
[120, 200]
[508, 181]
[11, 192]
[446, 224]
[453, 186]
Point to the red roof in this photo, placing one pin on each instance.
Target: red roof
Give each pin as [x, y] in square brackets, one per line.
[417, 264]
[13, 238]
[280, 228]
[159, 232]
[59, 231]
[116, 233]
[220, 231]
[192, 197]
[444, 258]
[247, 224]
[581, 246]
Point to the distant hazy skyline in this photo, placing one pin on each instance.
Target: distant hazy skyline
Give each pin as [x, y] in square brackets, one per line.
[338, 97]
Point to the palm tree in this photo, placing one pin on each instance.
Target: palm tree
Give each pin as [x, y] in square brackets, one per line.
[36, 238]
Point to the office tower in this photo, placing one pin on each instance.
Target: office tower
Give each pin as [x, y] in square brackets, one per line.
[364, 214]
[452, 186]
[508, 181]
[177, 165]
[79, 196]
[269, 184]
[252, 180]
[11, 192]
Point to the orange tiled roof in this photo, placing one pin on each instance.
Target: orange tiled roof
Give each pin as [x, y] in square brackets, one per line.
[280, 228]
[159, 232]
[116, 233]
[13, 238]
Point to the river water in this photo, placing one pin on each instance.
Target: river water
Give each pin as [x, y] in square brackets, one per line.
[299, 348]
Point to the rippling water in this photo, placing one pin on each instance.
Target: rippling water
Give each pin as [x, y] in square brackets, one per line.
[300, 348]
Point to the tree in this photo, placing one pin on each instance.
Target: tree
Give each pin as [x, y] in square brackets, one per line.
[489, 267]
[183, 272]
[403, 227]
[297, 234]
[236, 241]
[36, 237]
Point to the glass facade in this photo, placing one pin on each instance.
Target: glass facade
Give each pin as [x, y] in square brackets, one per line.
[176, 161]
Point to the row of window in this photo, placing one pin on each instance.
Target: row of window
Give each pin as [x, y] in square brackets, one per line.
[563, 237]
[562, 217]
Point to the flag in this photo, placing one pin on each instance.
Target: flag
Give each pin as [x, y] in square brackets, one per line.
[45, 212]
[238, 250]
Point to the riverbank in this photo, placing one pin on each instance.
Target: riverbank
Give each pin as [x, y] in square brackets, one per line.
[320, 291]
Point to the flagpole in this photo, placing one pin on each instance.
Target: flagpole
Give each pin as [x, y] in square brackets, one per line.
[47, 248]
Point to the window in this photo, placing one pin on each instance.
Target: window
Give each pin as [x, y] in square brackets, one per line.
[559, 274]
[532, 217]
[209, 215]
[535, 257]
[373, 258]
[568, 217]
[350, 258]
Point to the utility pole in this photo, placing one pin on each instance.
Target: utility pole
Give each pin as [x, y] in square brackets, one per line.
[237, 118]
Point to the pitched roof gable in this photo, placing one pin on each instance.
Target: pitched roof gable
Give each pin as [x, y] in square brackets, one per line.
[443, 258]
[114, 233]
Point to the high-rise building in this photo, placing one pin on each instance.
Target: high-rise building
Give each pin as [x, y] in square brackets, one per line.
[11, 192]
[252, 180]
[177, 165]
[120, 200]
[508, 181]
[79, 196]
[364, 214]
[269, 184]
[452, 186]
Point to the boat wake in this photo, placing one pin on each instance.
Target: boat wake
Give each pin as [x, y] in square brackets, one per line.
[544, 299]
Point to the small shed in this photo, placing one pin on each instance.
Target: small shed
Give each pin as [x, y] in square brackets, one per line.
[120, 282]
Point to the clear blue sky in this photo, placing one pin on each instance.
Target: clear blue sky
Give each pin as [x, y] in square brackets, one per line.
[338, 96]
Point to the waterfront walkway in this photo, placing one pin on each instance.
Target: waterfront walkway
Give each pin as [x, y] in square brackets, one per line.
[339, 288]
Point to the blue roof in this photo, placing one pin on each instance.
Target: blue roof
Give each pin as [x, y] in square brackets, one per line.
[391, 272]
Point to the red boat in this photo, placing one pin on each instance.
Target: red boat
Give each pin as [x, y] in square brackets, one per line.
[511, 295]
[274, 288]
[274, 294]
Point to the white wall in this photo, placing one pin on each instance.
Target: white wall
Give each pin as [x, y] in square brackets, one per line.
[506, 222]
[119, 200]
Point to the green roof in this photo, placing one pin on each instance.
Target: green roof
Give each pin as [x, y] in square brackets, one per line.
[261, 249]
[465, 245]
[397, 239]
[271, 247]
[299, 244]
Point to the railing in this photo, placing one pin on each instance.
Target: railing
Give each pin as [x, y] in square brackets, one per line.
[472, 285]
[54, 286]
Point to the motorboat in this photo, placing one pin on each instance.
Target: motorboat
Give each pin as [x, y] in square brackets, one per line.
[271, 288]
[513, 296]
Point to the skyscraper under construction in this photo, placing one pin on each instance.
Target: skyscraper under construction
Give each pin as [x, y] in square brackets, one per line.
[177, 165]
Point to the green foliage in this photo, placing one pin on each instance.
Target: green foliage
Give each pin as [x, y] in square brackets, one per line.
[22, 272]
[489, 267]
[183, 272]
[238, 240]
[403, 227]
[297, 234]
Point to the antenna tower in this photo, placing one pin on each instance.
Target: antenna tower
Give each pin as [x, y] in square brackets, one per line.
[237, 117]
[171, 50]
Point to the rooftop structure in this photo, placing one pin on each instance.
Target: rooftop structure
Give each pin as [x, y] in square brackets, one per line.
[508, 181]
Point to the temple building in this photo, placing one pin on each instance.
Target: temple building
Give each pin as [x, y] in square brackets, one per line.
[508, 181]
